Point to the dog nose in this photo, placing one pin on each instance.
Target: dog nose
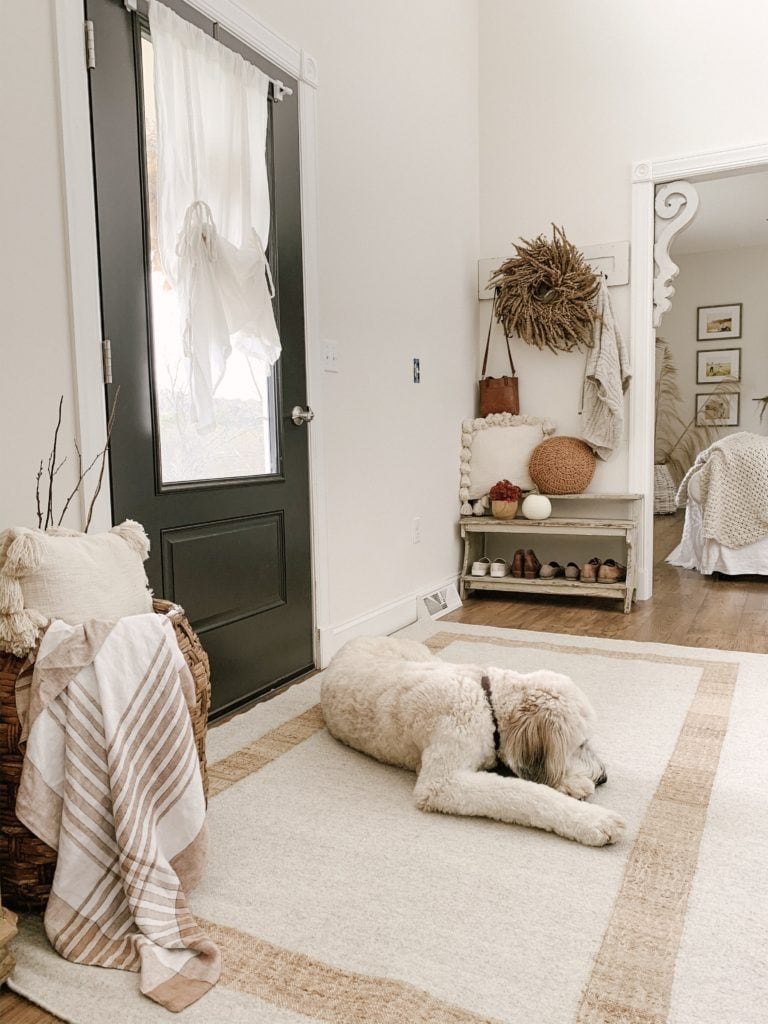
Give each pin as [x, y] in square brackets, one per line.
[602, 780]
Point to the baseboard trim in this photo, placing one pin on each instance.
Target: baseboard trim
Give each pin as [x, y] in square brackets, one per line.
[381, 621]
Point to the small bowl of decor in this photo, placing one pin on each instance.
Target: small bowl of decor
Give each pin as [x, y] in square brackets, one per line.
[505, 498]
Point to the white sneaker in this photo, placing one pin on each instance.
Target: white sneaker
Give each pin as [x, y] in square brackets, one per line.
[499, 567]
[480, 567]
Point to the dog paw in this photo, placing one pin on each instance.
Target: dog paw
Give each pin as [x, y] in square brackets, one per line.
[578, 786]
[598, 826]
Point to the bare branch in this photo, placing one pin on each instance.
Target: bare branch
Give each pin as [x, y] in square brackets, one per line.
[103, 456]
[81, 474]
[37, 496]
[52, 469]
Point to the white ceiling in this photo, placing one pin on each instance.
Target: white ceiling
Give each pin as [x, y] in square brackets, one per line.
[733, 212]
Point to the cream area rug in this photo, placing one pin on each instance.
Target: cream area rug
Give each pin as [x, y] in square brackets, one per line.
[334, 900]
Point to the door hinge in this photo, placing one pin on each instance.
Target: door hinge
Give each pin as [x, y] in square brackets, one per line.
[90, 46]
[106, 359]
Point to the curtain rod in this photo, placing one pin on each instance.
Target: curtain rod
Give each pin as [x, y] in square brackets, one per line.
[279, 89]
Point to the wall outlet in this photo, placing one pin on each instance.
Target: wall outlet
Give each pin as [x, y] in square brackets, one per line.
[416, 371]
[417, 530]
[331, 357]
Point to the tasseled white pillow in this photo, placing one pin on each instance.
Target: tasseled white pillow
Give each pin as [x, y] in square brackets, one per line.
[61, 574]
[497, 447]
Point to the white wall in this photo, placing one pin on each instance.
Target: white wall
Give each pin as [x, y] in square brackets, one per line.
[398, 121]
[713, 279]
[398, 130]
[571, 94]
[35, 347]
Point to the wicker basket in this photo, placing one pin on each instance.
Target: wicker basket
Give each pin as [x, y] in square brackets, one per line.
[664, 491]
[562, 465]
[26, 863]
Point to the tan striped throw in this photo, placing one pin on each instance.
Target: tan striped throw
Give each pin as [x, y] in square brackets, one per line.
[111, 779]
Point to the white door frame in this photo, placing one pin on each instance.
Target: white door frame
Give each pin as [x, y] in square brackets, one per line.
[646, 175]
[80, 215]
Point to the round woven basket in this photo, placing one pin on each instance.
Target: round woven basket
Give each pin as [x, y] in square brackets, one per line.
[562, 465]
[27, 864]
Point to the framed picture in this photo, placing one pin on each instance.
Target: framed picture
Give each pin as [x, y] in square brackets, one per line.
[719, 322]
[718, 364]
[715, 410]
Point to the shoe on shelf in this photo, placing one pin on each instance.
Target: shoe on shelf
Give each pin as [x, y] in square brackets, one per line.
[480, 567]
[590, 570]
[531, 565]
[572, 571]
[611, 572]
[498, 567]
[551, 570]
[518, 562]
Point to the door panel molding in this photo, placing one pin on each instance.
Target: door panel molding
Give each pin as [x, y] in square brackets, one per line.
[80, 216]
[183, 547]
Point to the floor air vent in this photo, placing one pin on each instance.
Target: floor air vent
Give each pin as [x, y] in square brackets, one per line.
[442, 601]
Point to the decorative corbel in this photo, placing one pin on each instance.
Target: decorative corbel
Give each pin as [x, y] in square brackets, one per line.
[676, 203]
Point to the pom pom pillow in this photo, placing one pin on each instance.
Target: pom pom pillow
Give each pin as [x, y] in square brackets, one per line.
[495, 448]
[72, 576]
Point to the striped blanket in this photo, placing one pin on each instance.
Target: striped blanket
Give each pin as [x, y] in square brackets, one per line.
[111, 780]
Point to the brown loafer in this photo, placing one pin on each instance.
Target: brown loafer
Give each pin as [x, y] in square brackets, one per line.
[590, 570]
[550, 570]
[531, 565]
[572, 571]
[518, 560]
[611, 572]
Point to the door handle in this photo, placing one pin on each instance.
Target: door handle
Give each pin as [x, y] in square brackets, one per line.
[299, 415]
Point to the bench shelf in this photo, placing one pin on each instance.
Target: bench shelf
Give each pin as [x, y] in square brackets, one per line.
[475, 530]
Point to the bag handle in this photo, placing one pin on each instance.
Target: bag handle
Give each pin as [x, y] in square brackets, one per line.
[488, 340]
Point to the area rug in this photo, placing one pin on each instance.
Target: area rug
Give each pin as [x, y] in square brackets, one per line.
[334, 900]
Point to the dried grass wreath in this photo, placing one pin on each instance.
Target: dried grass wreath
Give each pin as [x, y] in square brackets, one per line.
[545, 294]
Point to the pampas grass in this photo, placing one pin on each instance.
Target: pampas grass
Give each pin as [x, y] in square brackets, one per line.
[677, 442]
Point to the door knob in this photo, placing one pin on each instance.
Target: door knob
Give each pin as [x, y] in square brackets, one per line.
[299, 415]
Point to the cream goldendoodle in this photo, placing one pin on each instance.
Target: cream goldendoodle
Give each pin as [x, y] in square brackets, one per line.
[393, 699]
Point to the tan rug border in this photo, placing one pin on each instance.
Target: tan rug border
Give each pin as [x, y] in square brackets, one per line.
[294, 981]
[273, 744]
[633, 973]
[439, 641]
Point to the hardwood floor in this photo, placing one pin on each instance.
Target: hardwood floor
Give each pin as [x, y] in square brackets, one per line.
[730, 614]
[15, 1010]
[726, 613]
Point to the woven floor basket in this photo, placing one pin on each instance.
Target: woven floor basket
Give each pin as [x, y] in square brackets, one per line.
[26, 863]
[562, 465]
[664, 492]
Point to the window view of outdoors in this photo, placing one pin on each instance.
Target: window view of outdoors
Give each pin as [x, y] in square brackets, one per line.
[240, 443]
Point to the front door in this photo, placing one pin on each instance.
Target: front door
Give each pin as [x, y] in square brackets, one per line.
[226, 510]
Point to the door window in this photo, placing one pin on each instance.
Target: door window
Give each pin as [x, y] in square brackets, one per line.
[243, 441]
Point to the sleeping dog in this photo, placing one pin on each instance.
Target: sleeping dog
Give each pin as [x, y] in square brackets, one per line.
[394, 700]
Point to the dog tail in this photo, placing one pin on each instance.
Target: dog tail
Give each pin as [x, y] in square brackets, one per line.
[540, 738]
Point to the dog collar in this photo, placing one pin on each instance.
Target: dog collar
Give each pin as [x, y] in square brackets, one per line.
[485, 682]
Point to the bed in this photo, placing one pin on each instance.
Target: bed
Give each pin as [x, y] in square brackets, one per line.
[726, 509]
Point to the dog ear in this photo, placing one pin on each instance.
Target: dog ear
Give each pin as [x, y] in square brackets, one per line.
[539, 740]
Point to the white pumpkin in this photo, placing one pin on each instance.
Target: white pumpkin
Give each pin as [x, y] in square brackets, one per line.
[537, 506]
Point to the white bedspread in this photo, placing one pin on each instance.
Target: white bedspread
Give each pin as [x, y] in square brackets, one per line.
[695, 551]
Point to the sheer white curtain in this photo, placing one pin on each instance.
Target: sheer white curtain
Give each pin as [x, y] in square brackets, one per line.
[212, 200]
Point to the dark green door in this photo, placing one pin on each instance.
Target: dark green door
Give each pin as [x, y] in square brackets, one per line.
[227, 511]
